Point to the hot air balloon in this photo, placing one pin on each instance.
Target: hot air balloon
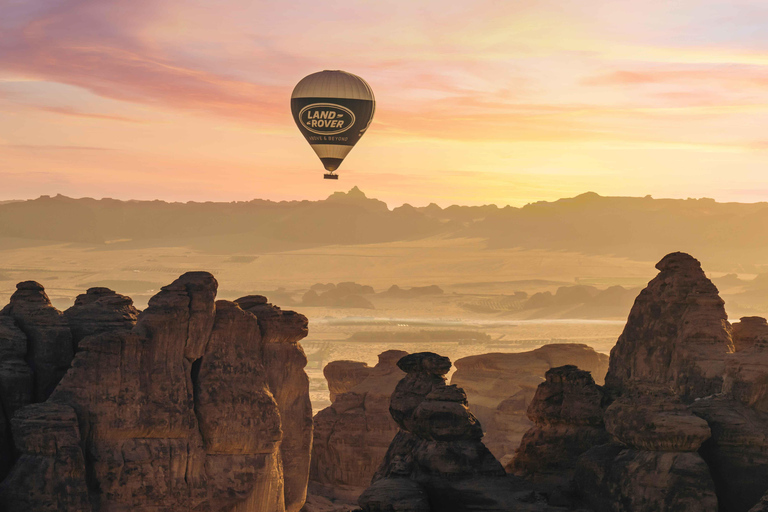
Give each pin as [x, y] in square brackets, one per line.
[332, 110]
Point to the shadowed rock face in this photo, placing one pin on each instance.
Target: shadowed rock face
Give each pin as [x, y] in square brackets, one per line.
[353, 434]
[49, 341]
[50, 474]
[671, 439]
[677, 333]
[436, 461]
[568, 416]
[200, 405]
[501, 386]
[100, 310]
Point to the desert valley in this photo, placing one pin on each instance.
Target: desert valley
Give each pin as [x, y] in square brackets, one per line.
[295, 374]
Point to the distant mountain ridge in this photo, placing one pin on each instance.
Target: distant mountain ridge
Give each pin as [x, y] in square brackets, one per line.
[728, 235]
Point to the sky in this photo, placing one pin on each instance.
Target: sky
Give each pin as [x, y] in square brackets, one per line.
[504, 102]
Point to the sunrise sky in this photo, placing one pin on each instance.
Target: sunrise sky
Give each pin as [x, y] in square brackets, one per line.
[501, 102]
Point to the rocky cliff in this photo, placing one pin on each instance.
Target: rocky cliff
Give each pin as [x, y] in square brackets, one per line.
[500, 388]
[193, 404]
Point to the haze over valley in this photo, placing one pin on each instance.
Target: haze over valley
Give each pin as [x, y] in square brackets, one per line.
[458, 280]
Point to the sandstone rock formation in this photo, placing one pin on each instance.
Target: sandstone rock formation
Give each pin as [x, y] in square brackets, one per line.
[49, 341]
[653, 463]
[353, 434]
[684, 406]
[567, 411]
[100, 310]
[436, 461]
[344, 375]
[616, 478]
[673, 350]
[284, 361]
[748, 332]
[677, 333]
[201, 405]
[50, 474]
[500, 387]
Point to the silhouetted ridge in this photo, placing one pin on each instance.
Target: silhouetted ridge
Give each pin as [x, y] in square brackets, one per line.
[641, 228]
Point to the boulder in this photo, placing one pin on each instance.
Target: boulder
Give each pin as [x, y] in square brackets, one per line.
[342, 376]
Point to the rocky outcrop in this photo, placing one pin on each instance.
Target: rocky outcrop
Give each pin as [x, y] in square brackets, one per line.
[616, 478]
[567, 411]
[677, 334]
[100, 310]
[352, 436]
[344, 375]
[201, 405]
[673, 350]
[284, 361]
[436, 461]
[655, 422]
[500, 386]
[737, 452]
[16, 385]
[748, 332]
[49, 341]
[653, 462]
[50, 474]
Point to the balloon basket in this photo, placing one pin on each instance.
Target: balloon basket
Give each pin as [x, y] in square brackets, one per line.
[331, 176]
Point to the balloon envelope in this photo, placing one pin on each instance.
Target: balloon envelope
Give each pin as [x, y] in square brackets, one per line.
[332, 110]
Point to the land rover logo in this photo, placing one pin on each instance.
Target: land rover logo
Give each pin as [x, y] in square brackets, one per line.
[326, 118]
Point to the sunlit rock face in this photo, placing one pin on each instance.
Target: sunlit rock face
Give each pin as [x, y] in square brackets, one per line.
[201, 405]
[353, 434]
[500, 388]
[437, 460]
